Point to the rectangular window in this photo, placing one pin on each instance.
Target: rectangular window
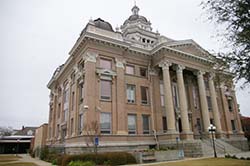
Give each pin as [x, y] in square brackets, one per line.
[131, 124]
[175, 95]
[233, 125]
[145, 124]
[65, 114]
[198, 124]
[230, 104]
[143, 72]
[130, 93]
[59, 110]
[80, 124]
[81, 91]
[105, 123]
[209, 103]
[195, 96]
[144, 95]
[212, 121]
[162, 93]
[105, 90]
[164, 124]
[66, 95]
[73, 101]
[206, 84]
[57, 130]
[130, 69]
[71, 126]
[106, 64]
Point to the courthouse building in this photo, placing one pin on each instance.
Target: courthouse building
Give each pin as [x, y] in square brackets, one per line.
[141, 88]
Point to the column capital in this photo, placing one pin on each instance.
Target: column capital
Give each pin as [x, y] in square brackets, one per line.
[211, 75]
[120, 63]
[90, 56]
[199, 73]
[180, 68]
[153, 72]
[165, 64]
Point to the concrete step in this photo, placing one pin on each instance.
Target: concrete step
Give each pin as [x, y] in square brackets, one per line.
[228, 148]
[148, 159]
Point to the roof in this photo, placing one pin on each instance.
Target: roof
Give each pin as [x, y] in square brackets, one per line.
[100, 23]
[26, 131]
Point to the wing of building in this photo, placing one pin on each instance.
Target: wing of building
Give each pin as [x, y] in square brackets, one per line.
[135, 88]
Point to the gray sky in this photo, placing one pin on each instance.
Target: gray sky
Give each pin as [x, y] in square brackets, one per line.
[36, 36]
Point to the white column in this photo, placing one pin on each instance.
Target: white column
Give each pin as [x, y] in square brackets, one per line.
[182, 99]
[203, 100]
[214, 104]
[168, 97]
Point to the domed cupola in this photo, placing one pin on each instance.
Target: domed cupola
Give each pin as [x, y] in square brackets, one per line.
[136, 19]
[138, 31]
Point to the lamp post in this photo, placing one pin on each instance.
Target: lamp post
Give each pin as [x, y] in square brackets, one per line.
[212, 130]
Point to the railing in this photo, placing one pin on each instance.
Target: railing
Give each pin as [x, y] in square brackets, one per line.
[217, 145]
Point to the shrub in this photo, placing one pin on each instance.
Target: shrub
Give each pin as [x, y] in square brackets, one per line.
[111, 158]
[44, 153]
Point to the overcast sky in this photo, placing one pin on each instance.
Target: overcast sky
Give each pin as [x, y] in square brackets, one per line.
[36, 36]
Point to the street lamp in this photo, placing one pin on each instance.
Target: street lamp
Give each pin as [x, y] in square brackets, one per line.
[212, 130]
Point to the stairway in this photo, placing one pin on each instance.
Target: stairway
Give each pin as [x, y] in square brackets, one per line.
[221, 147]
[148, 157]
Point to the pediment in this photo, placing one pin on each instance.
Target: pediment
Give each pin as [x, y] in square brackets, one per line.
[191, 47]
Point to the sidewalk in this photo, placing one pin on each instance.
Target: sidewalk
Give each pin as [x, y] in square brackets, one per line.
[27, 158]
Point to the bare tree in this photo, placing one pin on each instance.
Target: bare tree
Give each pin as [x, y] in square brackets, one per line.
[92, 131]
[5, 131]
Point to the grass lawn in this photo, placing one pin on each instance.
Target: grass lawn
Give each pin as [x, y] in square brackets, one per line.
[210, 162]
[6, 158]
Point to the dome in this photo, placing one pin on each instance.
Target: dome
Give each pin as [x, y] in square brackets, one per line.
[103, 25]
[135, 16]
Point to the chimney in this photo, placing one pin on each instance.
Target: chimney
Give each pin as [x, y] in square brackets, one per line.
[22, 127]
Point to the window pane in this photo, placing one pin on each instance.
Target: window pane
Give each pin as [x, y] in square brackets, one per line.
[80, 124]
[209, 103]
[233, 125]
[144, 95]
[132, 124]
[145, 120]
[130, 69]
[105, 89]
[131, 93]
[105, 123]
[106, 64]
[164, 124]
[143, 72]
[162, 101]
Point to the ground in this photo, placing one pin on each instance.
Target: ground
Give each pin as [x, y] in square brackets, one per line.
[208, 162]
[12, 160]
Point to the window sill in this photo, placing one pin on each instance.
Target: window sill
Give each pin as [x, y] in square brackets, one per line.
[131, 103]
[106, 100]
[145, 104]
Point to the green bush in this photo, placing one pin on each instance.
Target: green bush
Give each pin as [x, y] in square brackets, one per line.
[111, 158]
[81, 163]
[44, 153]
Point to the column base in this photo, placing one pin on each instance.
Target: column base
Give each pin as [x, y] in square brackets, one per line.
[187, 135]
